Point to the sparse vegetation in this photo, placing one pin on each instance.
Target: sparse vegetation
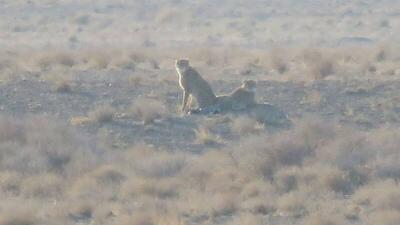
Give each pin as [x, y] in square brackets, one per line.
[148, 110]
[247, 175]
[246, 126]
[204, 136]
[102, 114]
[63, 87]
[90, 130]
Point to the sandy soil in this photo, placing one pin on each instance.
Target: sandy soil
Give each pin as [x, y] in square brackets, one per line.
[91, 132]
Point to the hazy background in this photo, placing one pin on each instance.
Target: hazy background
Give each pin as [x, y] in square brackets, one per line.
[91, 131]
[252, 24]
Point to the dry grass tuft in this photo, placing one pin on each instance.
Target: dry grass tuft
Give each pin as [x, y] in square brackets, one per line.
[223, 205]
[324, 219]
[246, 126]
[109, 175]
[319, 63]
[205, 137]
[293, 203]
[165, 188]
[387, 217]
[81, 210]
[337, 181]
[152, 163]
[38, 140]
[278, 61]
[381, 54]
[42, 186]
[380, 196]
[102, 114]
[19, 215]
[82, 19]
[51, 59]
[63, 87]
[322, 68]
[136, 81]
[287, 179]
[148, 110]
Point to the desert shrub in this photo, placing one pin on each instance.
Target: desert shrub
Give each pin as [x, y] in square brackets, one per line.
[381, 54]
[382, 142]
[136, 81]
[82, 19]
[19, 213]
[43, 146]
[248, 219]
[10, 182]
[348, 151]
[148, 110]
[138, 219]
[380, 195]
[200, 172]
[387, 217]
[169, 15]
[286, 179]
[8, 62]
[80, 210]
[85, 188]
[12, 130]
[363, 154]
[368, 68]
[322, 68]
[102, 114]
[151, 216]
[63, 86]
[51, 59]
[313, 97]
[108, 175]
[262, 205]
[223, 205]
[205, 136]
[42, 186]
[245, 126]
[324, 219]
[163, 188]
[60, 78]
[18, 219]
[96, 59]
[320, 63]
[122, 61]
[278, 61]
[336, 180]
[258, 188]
[384, 23]
[293, 203]
[289, 148]
[159, 165]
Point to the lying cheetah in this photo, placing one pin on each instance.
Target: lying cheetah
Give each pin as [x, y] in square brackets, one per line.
[241, 99]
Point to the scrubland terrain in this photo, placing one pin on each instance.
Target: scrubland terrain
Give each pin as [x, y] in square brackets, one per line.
[91, 132]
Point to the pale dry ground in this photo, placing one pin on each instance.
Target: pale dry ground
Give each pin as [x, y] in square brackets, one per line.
[97, 138]
[177, 23]
[91, 133]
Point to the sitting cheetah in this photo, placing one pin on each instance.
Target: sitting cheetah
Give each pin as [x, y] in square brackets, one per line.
[194, 86]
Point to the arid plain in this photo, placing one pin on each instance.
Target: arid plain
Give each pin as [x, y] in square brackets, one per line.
[91, 130]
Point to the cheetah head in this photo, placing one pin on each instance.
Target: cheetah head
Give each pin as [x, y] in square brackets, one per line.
[182, 64]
